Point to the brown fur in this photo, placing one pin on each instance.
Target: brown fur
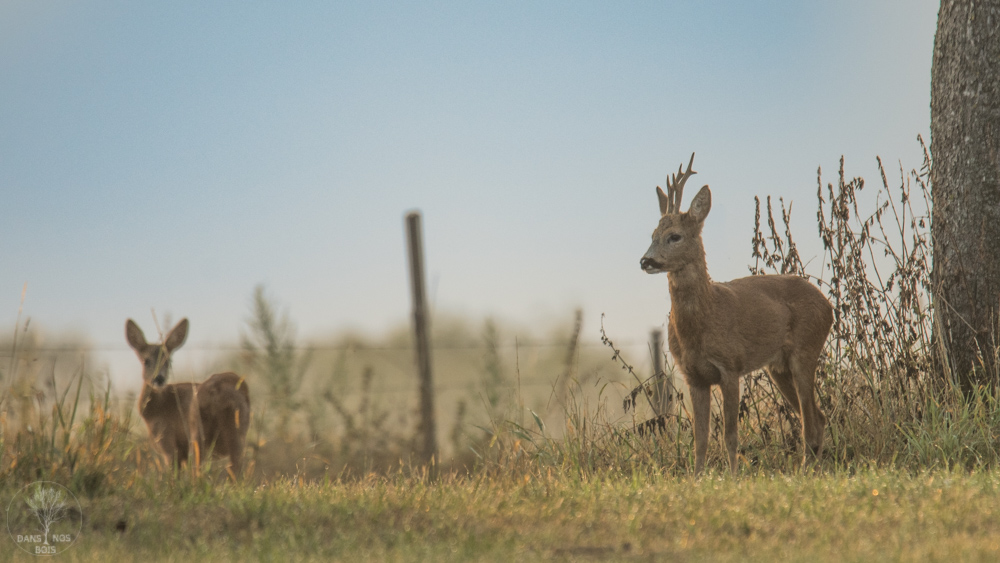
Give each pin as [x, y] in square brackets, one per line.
[219, 423]
[720, 331]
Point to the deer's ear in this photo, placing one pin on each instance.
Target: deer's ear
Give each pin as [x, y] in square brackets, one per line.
[177, 335]
[664, 201]
[701, 204]
[134, 336]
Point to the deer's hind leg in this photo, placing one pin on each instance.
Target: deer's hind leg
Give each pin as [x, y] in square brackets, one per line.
[236, 442]
[782, 378]
[230, 415]
[232, 438]
[796, 384]
[803, 368]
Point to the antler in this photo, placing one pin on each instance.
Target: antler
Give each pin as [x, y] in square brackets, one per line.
[675, 187]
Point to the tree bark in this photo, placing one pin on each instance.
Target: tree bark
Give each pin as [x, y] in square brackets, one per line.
[965, 176]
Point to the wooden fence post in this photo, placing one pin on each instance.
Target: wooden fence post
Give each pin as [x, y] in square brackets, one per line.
[663, 386]
[428, 428]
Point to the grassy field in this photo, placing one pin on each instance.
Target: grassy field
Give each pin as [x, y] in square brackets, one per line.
[617, 515]
[541, 462]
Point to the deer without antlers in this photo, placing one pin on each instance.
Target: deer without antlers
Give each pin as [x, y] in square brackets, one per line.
[212, 416]
[718, 332]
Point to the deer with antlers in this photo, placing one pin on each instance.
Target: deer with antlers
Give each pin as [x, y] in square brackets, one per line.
[718, 332]
[211, 416]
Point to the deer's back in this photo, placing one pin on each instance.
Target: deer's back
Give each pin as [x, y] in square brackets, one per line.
[800, 305]
[758, 320]
[226, 384]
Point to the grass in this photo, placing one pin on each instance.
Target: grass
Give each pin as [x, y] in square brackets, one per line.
[613, 515]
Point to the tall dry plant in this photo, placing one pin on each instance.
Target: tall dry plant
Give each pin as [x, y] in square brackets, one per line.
[879, 359]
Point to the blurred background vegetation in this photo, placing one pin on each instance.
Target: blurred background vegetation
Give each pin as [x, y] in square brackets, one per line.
[341, 407]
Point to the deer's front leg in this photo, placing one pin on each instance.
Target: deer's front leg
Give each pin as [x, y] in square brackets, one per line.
[701, 401]
[730, 413]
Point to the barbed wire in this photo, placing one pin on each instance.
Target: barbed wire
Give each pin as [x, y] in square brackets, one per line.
[321, 347]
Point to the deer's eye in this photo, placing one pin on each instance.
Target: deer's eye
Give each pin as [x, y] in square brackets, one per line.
[674, 238]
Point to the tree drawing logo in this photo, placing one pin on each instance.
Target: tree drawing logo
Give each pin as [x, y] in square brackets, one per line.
[44, 518]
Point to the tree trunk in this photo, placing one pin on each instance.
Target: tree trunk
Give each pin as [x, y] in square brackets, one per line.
[965, 175]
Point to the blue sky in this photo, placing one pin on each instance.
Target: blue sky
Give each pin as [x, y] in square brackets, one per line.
[174, 155]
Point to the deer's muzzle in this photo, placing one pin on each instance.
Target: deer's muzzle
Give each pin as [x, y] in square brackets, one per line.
[650, 266]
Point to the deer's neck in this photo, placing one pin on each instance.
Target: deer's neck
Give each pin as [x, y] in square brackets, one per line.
[690, 295]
